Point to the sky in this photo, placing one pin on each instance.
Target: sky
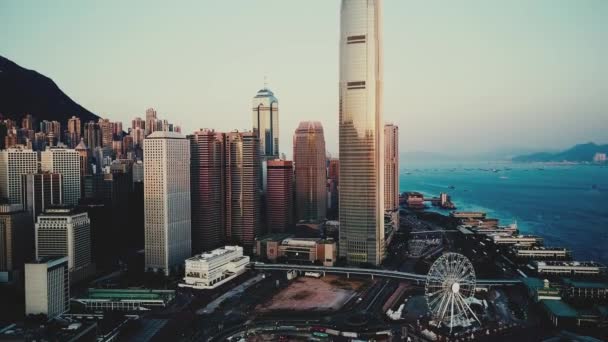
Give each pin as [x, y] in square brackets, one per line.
[460, 77]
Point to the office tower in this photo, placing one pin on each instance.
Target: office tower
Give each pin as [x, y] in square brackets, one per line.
[47, 287]
[27, 122]
[150, 121]
[74, 131]
[92, 135]
[67, 162]
[83, 154]
[106, 129]
[15, 162]
[266, 123]
[65, 231]
[310, 172]
[333, 173]
[207, 197]
[361, 133]
[41, 191]
[279, 195]
[243, 206]
[16, 240]
[167, 201]
[391, 167]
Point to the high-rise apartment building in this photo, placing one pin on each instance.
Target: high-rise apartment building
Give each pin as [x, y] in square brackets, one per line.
[107, 132]
[65, 231]
[67, 163]
[41, 191]
[92, 135]
[279, 195]
[27, 122]
[242, 201]
[151, 121]
[15, 162]
[361, 133]
[310, 172]
[167, 201]
[74, 131]
[391, 167]
[84, 155]
[266, 123]
[16, 240]
[47, 287]
[207, 189]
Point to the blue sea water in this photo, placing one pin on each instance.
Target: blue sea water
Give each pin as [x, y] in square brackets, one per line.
[565, 204]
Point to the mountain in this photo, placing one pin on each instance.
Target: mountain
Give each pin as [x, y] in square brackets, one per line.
[578, 153]
[24, 91]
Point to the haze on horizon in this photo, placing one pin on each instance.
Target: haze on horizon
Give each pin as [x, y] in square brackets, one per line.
[459, 78]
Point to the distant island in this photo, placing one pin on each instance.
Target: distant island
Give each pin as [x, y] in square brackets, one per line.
[589, 152]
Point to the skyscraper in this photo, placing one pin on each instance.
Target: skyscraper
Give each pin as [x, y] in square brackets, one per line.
[107, 132]
[361, 132]
[83, 153]
[166, 201]
[310, 172]
[41, 191]
[242, 165]
[74, 131]
[92, 135]
[47, 287]
[391, 167]
[15, 162]
[64, 231]
[150, 125]
[67, 163]
[16, 240]
[279, 195]
[207, 180]
[266, 123]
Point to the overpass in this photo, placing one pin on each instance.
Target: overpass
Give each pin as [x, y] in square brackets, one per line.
[434, 231]
[418, 278]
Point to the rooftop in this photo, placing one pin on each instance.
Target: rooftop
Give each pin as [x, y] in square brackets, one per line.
[165, 135]
[569, 263]
[207, 256]
[274, 237]
[130, 294]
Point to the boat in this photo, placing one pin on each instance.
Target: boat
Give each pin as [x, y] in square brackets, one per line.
[451, 187]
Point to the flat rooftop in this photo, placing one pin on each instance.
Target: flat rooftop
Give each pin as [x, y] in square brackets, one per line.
[570, 263]
[130, 294]
[216, 253]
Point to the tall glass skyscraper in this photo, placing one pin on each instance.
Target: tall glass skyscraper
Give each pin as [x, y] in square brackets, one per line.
[310, 172]
[361, 133]
[266, 123]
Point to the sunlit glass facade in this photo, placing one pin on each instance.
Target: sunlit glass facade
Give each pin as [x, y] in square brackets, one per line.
[361, 133]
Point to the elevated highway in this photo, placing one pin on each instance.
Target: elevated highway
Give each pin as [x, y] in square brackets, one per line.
[414, 277]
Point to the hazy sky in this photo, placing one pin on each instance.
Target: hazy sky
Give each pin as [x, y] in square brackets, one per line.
[460, 76]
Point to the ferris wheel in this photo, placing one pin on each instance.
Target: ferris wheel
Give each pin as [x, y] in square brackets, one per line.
[450, 285]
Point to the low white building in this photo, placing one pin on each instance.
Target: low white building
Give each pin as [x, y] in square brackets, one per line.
[520, 240]
[47, 287]
[212, 269]
[569, 268]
